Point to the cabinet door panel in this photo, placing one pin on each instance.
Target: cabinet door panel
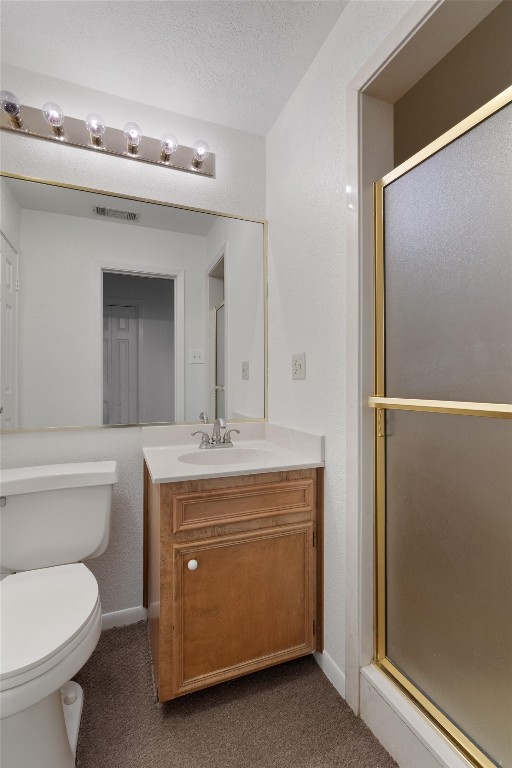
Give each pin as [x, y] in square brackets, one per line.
[249, 599]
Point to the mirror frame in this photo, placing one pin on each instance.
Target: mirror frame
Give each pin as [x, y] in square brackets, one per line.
[117, 195]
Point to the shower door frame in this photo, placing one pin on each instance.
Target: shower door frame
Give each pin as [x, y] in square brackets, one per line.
[380, 403]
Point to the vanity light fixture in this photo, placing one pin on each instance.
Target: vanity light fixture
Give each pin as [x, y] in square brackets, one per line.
[11, 107]
[54, 116]
[93, 134]
[96, 126]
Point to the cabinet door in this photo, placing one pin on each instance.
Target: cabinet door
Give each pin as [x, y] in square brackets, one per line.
[248, 604]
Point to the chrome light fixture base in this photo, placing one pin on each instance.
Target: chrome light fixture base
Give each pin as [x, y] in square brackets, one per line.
[75, 134]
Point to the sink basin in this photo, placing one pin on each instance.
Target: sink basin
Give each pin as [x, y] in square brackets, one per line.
[225, 456]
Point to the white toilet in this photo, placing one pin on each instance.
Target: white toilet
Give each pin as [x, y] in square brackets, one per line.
[50, 518]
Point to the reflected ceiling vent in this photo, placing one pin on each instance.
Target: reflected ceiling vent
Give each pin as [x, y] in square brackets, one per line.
[113, 213]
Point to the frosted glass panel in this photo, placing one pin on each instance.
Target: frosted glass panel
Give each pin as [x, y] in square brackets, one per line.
[449, 567]
[448, 271]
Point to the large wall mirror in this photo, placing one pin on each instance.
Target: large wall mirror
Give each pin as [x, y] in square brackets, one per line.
[116, 310]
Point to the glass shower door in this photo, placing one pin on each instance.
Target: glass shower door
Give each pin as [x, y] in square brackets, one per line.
[443, 389]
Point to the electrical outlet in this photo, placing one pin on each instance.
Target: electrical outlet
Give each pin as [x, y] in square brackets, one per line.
[299, 366]
[197, 356]
[245, 371]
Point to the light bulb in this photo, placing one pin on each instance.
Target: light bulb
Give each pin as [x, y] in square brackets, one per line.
[95, 124]
[53, 114]
[201, 152]
[11, 107]
[10, 104]
[133, 135]
[169, 144]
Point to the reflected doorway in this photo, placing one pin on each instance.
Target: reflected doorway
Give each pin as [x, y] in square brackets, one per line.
[9, 286]
[139, 356]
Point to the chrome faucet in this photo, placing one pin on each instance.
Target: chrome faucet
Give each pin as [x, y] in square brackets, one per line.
[217, 426]
[216, 440]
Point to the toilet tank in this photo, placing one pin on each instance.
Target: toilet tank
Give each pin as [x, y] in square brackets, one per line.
[55, 514]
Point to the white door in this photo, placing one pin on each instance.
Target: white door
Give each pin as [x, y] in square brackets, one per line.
[8, 335]
[120, 364]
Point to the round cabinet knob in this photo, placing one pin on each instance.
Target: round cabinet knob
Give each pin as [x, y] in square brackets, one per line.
[192, 565]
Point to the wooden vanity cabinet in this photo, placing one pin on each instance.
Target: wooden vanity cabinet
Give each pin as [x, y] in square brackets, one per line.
[232, 575]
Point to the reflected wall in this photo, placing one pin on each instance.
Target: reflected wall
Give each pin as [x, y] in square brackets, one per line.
[65, 247]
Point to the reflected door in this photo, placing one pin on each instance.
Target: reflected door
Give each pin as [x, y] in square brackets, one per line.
[443, 432]
[120, 365]
[8, 335]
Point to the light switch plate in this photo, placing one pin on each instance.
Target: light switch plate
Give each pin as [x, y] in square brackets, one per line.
[245, 371]
[197, 356]
[299, 366]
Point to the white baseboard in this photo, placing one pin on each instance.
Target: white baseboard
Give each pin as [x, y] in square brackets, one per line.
[332, 672]
[122, 618]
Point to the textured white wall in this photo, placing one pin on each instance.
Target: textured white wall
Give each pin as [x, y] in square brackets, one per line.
[307, 252]
[239, 188]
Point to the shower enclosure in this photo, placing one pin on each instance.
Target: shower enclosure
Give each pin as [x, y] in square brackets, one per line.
[443, 431]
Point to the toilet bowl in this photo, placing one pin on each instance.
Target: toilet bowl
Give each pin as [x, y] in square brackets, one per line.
[50, 615]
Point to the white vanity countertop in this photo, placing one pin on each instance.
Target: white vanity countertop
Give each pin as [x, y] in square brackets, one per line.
[172, 454]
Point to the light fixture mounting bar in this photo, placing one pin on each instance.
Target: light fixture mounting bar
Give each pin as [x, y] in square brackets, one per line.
[113, 142]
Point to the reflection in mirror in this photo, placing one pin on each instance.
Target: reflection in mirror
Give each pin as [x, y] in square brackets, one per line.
[120, 311]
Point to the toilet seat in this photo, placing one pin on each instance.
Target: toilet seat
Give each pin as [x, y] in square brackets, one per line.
[51, 622]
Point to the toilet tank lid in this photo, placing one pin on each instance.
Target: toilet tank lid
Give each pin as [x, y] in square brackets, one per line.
[53, 476]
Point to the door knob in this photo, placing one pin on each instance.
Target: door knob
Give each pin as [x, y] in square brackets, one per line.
[192, 565]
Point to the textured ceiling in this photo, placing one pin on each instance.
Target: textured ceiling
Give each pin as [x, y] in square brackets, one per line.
[233, 62]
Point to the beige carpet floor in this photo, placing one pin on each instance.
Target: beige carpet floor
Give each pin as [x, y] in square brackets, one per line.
[288, 716]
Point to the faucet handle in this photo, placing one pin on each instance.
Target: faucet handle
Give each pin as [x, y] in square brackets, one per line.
[205, 439]
[227, 436]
